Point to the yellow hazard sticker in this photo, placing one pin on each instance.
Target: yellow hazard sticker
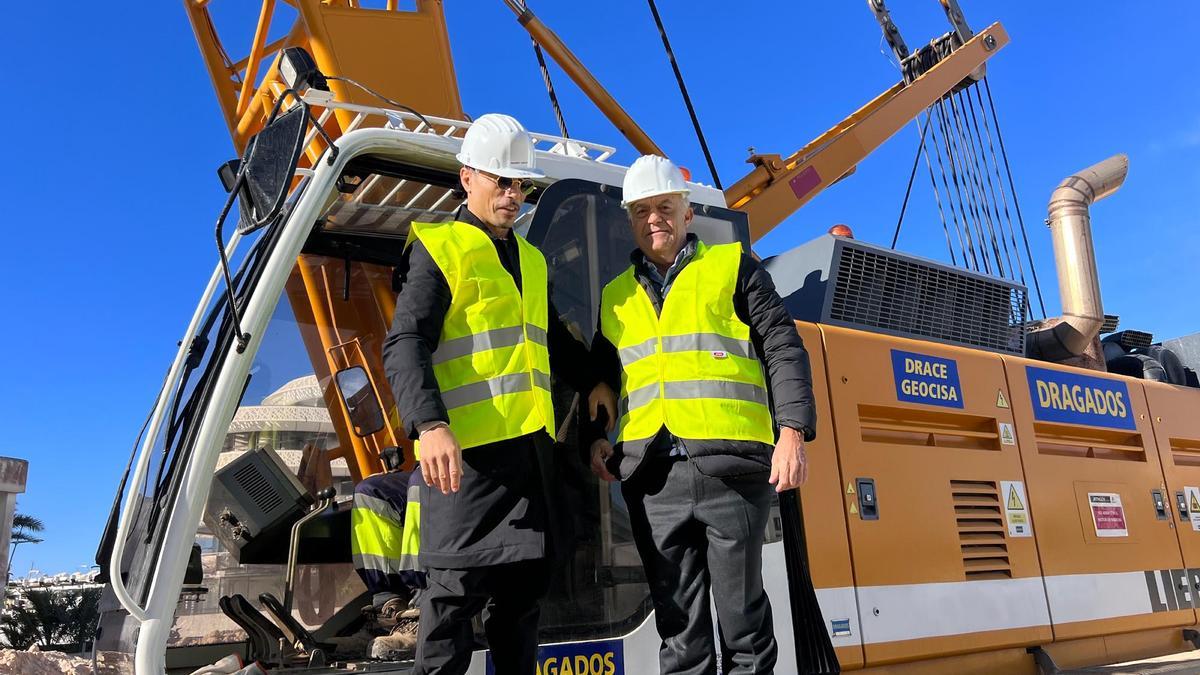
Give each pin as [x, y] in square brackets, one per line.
[1016, 511]
[1007, 435]
[849, 488]
[1193, 504]
[1014, 499]
[1001, 402]
[853, 509]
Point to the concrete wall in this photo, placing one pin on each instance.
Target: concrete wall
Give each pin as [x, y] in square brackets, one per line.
[13, 475]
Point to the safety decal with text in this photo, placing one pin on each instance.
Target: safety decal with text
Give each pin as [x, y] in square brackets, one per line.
[1071, 398]
[921, 378]
[603, 657]
[1016, 509]
[1192, 496]
[1108, 515]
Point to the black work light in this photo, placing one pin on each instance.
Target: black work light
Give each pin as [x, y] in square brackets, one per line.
[299, 71]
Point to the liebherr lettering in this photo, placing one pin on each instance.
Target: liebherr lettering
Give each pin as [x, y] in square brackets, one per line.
[1170, 590]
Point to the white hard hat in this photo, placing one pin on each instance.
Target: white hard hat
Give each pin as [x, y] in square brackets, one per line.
[651, 176]
[498, 144]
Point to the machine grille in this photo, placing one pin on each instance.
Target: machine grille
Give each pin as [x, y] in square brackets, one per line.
[258, 489]
[905, 297]
[980, 529]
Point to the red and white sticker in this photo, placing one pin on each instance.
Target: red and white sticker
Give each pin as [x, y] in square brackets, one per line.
[720, 354]
[1108, 515]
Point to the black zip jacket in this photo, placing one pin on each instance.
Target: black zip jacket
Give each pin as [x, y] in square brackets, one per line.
[500, 513]
[421, 307]
[786, 366]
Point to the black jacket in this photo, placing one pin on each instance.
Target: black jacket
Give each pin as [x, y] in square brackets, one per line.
[499, 514]
[778, 344]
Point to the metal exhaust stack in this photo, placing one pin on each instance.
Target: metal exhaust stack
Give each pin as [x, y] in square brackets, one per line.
[1075, 259]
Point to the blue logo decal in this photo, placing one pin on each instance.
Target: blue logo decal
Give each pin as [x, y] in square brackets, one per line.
[1071, 398]
[921, 378]
[839, 627]
[604, 657]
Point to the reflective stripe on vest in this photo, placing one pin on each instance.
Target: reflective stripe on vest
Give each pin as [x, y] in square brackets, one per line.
[692, 367]
[492, 363]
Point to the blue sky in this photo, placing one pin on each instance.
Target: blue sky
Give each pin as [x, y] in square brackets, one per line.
[115, 135]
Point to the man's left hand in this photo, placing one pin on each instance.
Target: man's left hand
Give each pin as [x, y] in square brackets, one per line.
[789, 464]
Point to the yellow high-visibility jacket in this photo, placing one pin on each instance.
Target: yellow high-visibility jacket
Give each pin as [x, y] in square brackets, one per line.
[691, 368]
[492, 363]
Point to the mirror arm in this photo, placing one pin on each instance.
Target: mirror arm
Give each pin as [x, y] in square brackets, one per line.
[242, 338]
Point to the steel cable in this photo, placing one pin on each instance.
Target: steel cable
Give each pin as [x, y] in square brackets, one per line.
[558, 115]
[911, 176]
[962, 228]
[971, 168]
[687, 100]
[960, 152]
[963, 207]
[973, 124]
[1016, 205]
[938, 200]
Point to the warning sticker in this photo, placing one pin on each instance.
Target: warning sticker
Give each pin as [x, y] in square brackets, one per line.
[1001, 402]
[1108, 515]
[1007, 436]
[1016, 509]
[1193, 506]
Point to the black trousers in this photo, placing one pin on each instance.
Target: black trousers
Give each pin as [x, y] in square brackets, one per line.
[507, 594]
[696, 534]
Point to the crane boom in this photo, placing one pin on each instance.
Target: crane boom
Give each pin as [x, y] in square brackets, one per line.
[777, 187]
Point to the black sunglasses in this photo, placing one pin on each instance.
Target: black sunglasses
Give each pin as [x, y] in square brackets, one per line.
[523, 185]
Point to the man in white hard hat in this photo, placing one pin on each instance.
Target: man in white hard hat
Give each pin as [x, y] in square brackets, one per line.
[469, 357]
[716, 404]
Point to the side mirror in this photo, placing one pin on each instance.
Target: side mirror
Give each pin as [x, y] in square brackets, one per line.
[268, 167]
[358, 395]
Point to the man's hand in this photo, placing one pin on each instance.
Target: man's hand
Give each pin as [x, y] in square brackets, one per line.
[601, 451]
[441, 459]
[789, 464]
[602, 396]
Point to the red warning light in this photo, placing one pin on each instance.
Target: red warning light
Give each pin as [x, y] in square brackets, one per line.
[842, 230]
[687, 173]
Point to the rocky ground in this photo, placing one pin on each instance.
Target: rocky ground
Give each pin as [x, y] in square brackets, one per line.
[58, 663]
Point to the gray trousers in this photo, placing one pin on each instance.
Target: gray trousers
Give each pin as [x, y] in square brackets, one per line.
[696, 533]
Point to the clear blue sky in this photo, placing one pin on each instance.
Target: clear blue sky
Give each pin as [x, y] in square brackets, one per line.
[110, 192]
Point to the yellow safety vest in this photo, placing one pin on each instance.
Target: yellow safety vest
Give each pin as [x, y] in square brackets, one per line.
[492, 365]
[691, 368]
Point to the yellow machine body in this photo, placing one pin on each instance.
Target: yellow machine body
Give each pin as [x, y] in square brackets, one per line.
[990, 530]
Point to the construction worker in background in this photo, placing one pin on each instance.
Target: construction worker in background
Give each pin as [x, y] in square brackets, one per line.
[699, 343]
[384, 513]
[469, 358]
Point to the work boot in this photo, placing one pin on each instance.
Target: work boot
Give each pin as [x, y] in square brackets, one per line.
[401, 643]
[383, 619]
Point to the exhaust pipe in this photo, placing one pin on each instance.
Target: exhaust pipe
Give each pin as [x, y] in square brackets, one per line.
[1075, 259]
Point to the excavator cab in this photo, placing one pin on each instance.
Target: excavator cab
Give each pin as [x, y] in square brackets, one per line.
[279, 405]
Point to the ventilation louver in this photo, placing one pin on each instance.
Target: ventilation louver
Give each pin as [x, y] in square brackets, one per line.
[844, 282]
[981, 535]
